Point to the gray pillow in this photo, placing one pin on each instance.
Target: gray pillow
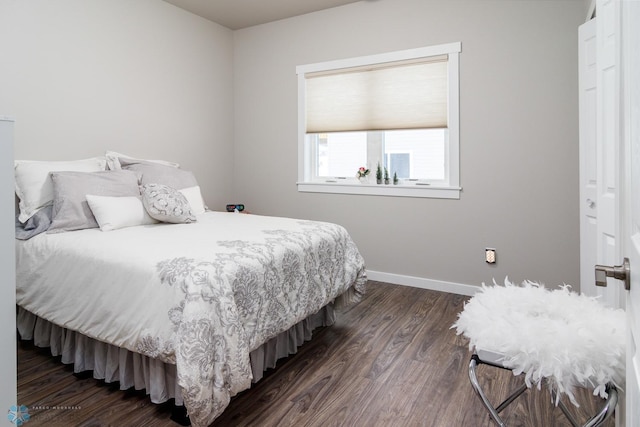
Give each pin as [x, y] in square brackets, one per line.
[70, 208]
[166, 204]
[155, 173]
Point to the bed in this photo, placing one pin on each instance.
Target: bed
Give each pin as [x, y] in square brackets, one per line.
[193, 310]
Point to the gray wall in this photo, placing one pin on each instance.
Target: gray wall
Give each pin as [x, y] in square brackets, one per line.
[519, 135]
[140, 77]
[151, 80]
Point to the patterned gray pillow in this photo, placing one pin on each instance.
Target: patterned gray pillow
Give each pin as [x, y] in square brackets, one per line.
[166, 204]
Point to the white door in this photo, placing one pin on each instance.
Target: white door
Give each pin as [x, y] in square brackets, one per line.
[630, 60]
[588, 158]
[609, 246]
[599, 153]
[616, 182]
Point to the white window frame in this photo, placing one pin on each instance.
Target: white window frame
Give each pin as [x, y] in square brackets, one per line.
[351, 185]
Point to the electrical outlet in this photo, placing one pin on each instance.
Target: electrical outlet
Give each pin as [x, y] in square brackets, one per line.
[490, 255]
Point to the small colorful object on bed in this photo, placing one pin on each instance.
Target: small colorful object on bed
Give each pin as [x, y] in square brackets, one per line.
[235, 207]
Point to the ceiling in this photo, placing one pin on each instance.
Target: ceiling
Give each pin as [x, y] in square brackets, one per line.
[237, 14]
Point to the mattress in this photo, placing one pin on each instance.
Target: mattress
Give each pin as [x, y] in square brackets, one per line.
[201, 296]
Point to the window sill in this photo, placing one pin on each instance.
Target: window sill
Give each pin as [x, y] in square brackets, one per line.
[406, 190]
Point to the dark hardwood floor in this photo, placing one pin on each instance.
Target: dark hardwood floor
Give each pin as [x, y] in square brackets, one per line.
[391, 360]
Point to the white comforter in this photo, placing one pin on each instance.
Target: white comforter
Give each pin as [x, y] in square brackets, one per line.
[200, 295]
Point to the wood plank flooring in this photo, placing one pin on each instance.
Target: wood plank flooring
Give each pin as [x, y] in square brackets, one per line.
[391, 360]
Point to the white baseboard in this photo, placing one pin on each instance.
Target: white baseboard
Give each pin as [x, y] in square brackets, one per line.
[419, 282]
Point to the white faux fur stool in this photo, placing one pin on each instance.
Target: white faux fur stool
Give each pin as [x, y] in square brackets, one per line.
[558, 336]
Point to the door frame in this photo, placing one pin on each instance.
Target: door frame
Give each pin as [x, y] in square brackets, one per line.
[630, 145]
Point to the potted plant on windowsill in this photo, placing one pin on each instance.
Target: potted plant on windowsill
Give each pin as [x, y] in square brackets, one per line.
[386, 176]
[395, 178]
[363, 175]
[379, 174]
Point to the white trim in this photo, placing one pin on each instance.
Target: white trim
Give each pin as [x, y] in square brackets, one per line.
[422, 283]
[426, 191]
[303, 153]
[453, 139]
[380, 58]
[451, 190]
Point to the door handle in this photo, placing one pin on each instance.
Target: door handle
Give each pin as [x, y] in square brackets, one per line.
[621, 272]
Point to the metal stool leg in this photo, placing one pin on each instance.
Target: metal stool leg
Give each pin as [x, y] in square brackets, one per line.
[595, 421]
[607, 410]
[494, 412]
[599, 418]
[512, 397]
[566, 412]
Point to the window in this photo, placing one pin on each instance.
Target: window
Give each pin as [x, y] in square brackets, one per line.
[398, 110]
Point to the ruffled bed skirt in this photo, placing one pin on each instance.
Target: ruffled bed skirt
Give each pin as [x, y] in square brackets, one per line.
[159, 379]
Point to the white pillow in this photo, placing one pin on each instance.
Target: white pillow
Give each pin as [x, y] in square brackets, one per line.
[33, 184]
[113, 212]
[194, 197]
[114, 164]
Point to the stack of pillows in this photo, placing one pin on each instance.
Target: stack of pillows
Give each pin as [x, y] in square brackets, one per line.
[110, 192]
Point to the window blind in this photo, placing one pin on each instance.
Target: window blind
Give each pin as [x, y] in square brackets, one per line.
[397, 95]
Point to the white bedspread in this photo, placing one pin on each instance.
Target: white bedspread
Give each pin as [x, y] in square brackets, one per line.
[200, 295]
